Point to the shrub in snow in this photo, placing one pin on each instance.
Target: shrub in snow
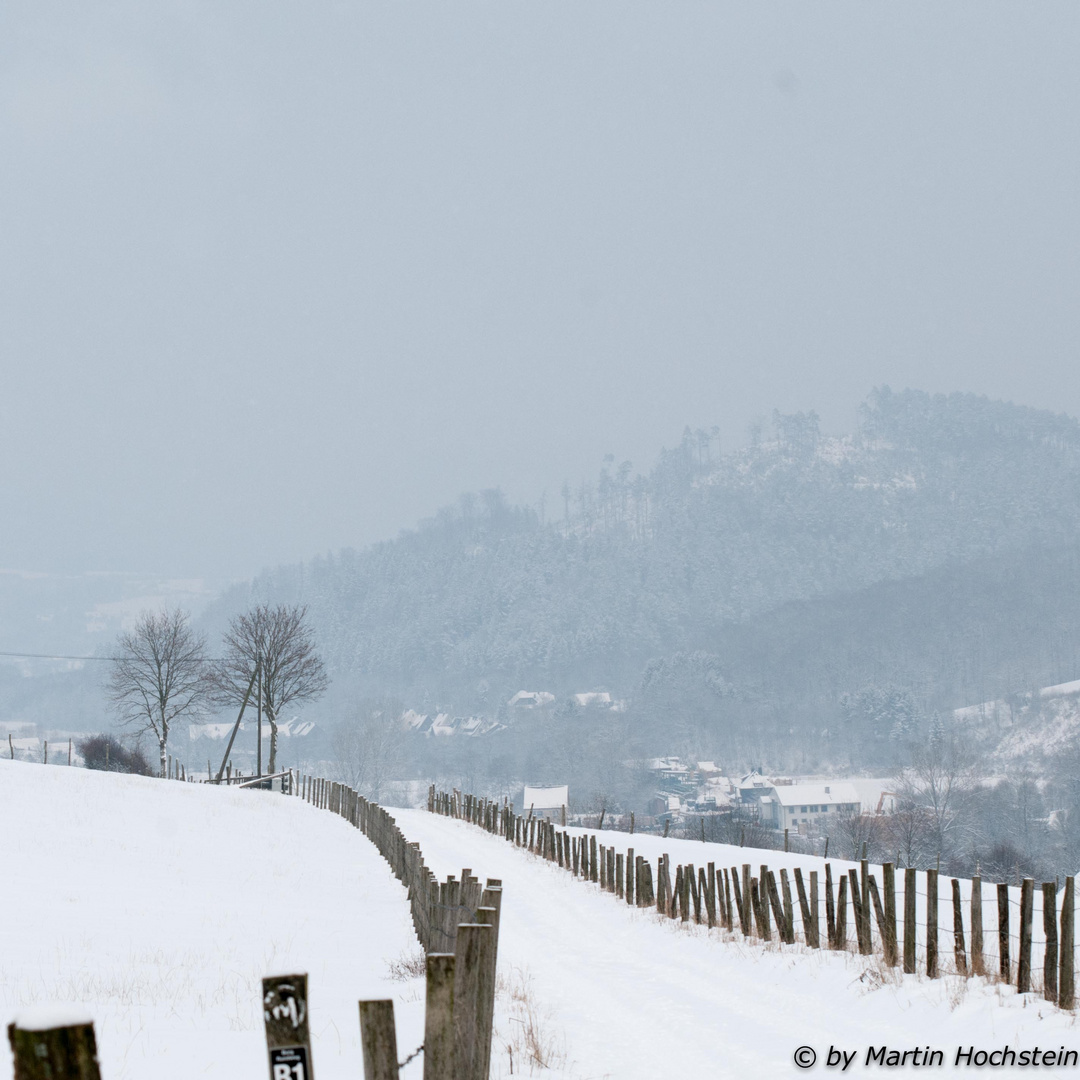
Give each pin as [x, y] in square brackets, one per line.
[109, 754]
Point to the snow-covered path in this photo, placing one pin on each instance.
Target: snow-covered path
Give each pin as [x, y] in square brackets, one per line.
[160, 906]
[631, 995]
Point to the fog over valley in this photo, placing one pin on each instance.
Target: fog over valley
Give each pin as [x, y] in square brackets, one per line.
[632, 418]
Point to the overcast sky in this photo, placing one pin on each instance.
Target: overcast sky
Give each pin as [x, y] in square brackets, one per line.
[281, 278]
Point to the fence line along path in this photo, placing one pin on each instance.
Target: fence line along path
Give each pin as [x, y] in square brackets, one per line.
[898, 917]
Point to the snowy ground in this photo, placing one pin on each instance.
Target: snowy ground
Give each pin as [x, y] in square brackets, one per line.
[160, 906]
[626, 994]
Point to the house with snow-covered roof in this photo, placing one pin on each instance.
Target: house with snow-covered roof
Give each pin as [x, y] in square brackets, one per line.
[547, 802]
[531, 699]
[792, 806]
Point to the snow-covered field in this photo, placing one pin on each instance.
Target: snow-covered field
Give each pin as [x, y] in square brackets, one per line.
[160, 906]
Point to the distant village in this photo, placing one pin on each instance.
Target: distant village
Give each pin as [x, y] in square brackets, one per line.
[682, 791]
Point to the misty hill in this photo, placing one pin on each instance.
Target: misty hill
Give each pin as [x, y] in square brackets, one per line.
[794, 551]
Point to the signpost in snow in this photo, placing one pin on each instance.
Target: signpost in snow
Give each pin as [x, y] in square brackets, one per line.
[287, 1037]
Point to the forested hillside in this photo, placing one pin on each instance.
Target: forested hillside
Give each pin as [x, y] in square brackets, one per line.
[790, 573]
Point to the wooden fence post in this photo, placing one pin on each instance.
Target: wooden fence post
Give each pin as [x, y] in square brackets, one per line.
[910, 886]
[472, 965]
[830, 909]
[1050, 953]
[888, 931]
[1004, 968]
[1066, 985]
[789, 913]
[862, 916]
[68, 1052]
[739, 904]
[729, 915]
[768, 889]
[841, 914]
[804, 909]
[288, 1039]
[932, 923]
[864, 870]
[747, 902]
[378, 1040]
[488, 916]
[763, 877]
[1027, 907]
[631, 878]
[977, 964]
[760, 905]
[958, 929]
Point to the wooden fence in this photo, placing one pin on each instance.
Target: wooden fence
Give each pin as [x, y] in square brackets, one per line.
[456, 923]
[786, 906]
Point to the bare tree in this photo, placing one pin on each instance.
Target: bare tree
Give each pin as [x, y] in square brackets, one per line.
[159, 675]
[941, 785]
[291, 671]
[369, 747]
[851, 829]
[909, 833]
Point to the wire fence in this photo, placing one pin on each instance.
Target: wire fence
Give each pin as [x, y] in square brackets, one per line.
[914, 920]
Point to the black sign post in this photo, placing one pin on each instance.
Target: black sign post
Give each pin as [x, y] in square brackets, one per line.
[288, 1040]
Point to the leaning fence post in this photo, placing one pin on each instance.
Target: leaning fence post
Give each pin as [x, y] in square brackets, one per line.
[840, 943]
[804, 906]
[1027, 905]
[378, 1040]
[958, 929]
[285, 1013]
[43, 1051]
[1066, 985]
[789, 912]
[1050, 954]
[739, 903]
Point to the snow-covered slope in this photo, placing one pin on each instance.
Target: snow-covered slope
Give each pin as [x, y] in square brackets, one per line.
[160, 906]
[1027, 729]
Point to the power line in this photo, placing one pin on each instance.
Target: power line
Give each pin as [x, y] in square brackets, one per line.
[61, 656]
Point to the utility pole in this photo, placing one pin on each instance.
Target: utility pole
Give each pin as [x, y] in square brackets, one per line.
[258, 673]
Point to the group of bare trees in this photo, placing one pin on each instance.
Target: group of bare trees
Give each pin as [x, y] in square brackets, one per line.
[163, 672]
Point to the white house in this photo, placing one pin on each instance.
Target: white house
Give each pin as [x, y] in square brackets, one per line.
[789, 806]
[545, 802]
[531, 699]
